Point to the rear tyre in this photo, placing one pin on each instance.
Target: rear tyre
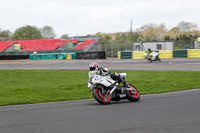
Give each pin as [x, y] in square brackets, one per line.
[134, 95]
[159, 59]
[100, 97]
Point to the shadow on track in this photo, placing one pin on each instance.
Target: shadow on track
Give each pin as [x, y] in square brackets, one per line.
[112, 102]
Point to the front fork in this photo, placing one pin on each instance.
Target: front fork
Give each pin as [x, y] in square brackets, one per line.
[127, 88]
[100, 87]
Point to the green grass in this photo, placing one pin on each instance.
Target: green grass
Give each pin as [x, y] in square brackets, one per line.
[37, 86]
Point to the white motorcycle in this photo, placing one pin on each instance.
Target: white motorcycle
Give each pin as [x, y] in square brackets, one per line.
[105, 89]
[153, 56]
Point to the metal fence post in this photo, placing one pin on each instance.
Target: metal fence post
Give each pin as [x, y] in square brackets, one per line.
[173, 44]
[191, 42]
[125, 46]
[164, 45]
[105, 45]
[112, 50]
[132, 46]
[117, 47]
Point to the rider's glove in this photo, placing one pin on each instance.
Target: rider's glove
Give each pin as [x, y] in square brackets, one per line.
[89, 85]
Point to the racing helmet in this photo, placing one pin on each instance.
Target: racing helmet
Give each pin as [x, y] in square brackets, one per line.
[105, 71]
[94, 66]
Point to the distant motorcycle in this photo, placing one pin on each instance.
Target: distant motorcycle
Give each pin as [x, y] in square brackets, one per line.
[105, 89]
[154, 56]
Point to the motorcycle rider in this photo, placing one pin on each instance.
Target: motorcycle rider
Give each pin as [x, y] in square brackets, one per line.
[103, 71]
[149, 51]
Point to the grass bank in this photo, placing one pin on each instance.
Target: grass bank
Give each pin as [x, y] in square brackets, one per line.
[36, 86]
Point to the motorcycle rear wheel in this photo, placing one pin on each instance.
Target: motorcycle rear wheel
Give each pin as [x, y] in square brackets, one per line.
[158, 59]
[133, 96]
[100, 97]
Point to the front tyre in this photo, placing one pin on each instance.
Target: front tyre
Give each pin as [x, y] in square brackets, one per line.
[149, 60]
[132, 95]
[100, 97]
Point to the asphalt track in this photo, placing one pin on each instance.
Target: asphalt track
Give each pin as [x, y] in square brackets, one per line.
[175, 112]
[112, 64]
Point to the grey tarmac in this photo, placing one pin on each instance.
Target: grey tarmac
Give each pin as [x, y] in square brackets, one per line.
[174, 112]
[112, 64]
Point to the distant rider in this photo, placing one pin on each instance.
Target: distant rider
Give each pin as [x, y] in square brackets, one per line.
[149, 51]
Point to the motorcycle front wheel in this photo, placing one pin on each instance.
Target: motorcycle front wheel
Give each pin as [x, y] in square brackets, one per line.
[100, 97]
[133, 95]
[149, 60]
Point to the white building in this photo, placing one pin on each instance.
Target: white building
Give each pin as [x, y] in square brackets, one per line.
[158, 45]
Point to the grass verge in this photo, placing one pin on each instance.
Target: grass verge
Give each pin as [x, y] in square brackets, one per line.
[37, 86]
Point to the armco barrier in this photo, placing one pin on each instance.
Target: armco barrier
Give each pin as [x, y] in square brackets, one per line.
[180, 54]
[126, 55]
[52, 56]
[13, 57]
[62, 56]
[91, 55]
[165, 54]
[71, 56]
[138, 54]
[186, 53]
[40, 52]
[119, 54]
[193, 53]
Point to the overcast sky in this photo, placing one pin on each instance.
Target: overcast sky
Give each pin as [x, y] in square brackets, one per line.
[82, 17]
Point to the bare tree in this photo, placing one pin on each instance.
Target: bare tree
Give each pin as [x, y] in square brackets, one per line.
[48, 32]
[187, 26]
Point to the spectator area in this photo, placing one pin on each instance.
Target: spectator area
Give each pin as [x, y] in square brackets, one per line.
[86, 43]
[49, 44]
[4, 45]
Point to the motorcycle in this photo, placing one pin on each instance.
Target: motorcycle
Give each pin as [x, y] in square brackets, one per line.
[105, 89]
[154, 56]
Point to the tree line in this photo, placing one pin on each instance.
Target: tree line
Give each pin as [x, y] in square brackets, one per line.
[27, 33]
[184, 31]
[148, 32]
